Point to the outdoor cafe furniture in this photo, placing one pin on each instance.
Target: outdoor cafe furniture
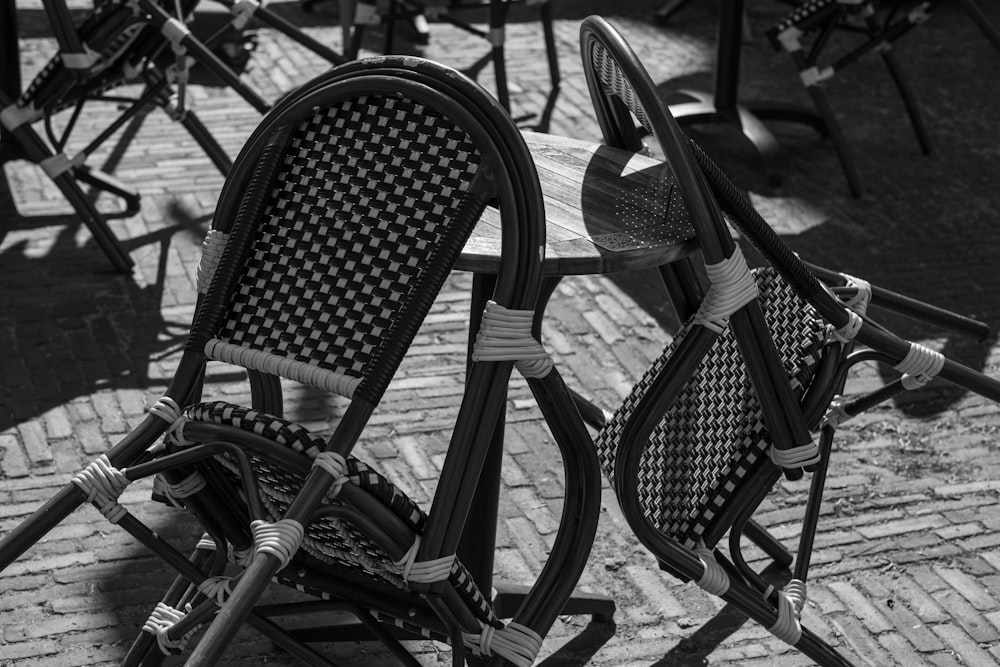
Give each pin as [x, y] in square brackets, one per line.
[338, 224]
[824, 37]
[115, 45]
[754, 385]
[360, 15]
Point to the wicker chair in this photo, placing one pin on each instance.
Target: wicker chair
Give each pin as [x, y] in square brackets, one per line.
[113, 46]
[334, 232]
[807, 34]
[388, 12]
[750, 387]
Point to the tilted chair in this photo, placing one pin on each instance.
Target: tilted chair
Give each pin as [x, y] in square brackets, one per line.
[115, 45]
[333, 235]
[386, 12]
[809, 32]
[752, 387]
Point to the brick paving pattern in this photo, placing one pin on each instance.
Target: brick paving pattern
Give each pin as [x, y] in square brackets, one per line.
[907, 561]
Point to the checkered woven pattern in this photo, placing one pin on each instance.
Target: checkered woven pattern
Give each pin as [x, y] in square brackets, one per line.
[331, 541]
[713, 438]
[802, 12]
[362, 199]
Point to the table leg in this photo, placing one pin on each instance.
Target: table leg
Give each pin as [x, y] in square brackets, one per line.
[722, 105]
[477, 546]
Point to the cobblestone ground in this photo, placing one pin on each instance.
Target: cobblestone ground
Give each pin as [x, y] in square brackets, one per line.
[907, 563]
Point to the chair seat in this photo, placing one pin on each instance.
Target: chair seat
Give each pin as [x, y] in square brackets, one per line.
[713, 440]
[331, 542]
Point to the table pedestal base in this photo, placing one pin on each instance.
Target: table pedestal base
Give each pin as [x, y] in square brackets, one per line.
[747, 118]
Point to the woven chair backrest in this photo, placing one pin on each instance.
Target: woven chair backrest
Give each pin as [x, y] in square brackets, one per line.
[713, 436]
[377, 186]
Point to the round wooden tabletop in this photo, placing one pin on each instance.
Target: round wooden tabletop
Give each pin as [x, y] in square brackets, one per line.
[607, 210]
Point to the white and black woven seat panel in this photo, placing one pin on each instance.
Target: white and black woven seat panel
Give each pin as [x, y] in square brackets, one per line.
[802, 12]
[713, 437]
[329, 541]
[360, 201]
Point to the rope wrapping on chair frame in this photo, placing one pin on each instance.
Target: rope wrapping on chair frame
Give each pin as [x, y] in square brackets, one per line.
[280, 539]
[163, 618]
[713, 579]
[731, 287]
[791, 601]
[505, 335]
[515, 642]
[424, 572]
[272, 364]
[920, 365]
[103, 484]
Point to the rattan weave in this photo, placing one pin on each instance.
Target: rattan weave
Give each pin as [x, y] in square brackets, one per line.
[713, 437]
[328, 299]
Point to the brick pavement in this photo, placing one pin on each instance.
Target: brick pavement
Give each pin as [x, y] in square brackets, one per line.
[907, 565]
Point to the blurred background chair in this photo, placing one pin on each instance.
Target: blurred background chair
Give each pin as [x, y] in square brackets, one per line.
[824, 37]
[113, 46]
[334, 232]
[364, 14]
[753, 385]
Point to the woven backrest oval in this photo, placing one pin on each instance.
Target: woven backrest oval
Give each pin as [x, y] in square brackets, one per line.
[366, 192]
[713, 438]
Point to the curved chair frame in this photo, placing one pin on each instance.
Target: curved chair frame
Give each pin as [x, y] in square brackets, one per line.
[507, 178]
[620, 86]
[115, 45]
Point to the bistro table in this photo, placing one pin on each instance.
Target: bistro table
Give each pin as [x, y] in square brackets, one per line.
[607, 210]
[722, 105]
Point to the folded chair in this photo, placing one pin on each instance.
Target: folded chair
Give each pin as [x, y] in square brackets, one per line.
[334, 232]
[752, 387]
[387, 12]
[809, 34]
[118, 44]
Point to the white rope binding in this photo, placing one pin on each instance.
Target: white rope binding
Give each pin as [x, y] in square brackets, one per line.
[787, 627]
[159, 623]
[15, 116]
[423, 572]
[795, 457]
[243, 11]
[516, 643]
[505, 335]
[919, 366]
[337, 383]
[731, 287]
[280, 539]
[58, 164]
[103, 484]
[217, 589]
[713, 579]
[169, 411]
[334, 465]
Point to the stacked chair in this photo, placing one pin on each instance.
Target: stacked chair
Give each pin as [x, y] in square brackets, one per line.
[368, 13]
[754, 384]
[336, 228]
[119, 44]
[812, 33]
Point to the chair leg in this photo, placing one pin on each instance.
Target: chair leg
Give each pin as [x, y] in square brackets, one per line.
[37, 151]
[498, 19]
[979, 18]
[840, 144]
[909, 101]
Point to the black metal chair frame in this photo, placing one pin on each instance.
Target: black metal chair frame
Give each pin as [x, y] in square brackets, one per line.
[115, 45]
[793, 393]
[428, 606]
